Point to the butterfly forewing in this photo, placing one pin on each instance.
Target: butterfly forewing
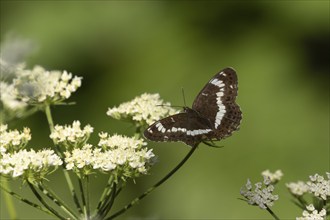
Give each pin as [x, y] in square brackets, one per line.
[216, 101]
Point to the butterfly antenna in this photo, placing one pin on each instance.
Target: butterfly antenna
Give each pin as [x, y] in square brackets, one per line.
[184, 97]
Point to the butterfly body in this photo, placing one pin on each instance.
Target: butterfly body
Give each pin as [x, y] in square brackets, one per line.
[214, 114]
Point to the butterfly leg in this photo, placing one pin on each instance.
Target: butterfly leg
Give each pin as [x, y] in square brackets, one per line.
[212, 144]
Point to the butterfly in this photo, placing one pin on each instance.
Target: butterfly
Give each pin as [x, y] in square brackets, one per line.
[214, 114]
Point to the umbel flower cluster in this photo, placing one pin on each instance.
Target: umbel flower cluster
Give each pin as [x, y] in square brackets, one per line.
[312, 214]
[317, 185]
[261, 195]
[31, 165]
[117, 155]
[15, 161]
[71, 136]
[142, 110]
[39, 85]
[124, 157]
[13, 140]
[24, 89]
[314, 208]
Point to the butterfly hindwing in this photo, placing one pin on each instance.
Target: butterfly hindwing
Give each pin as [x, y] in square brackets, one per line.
[187, 127]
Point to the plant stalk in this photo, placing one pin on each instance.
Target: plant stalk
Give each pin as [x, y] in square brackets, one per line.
[160, 182]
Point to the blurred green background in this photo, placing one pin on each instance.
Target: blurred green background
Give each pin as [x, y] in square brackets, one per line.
[280, 50]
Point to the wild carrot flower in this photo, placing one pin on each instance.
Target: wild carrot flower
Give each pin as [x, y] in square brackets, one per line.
[319, 186]
[312, 214]
[13, 140]
[117, 155]
[128, 152]
[71, 136]
[273, 177]
[297, 189]
[8, 97]
[261, 195]
[142, 110]
[30, 165]
[38, 86]
[11, 106]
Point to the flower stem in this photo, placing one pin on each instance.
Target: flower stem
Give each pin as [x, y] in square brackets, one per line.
[51, 195]
[272, 213]
[86, 182]
[9, 200]
[160, 182]
[17, 196]
[83, 197]
[106, 192]
[107, 207]
[58, 151]
[44, 203]
[49, 118]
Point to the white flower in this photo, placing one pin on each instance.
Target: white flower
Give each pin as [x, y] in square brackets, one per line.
[71, 135]
[29, 163]
[13, 140]
[38, 85]
[298, 189]
[121, 156]
[142, 110]
[319, 186]
[312, 214]
[9, 98]
[79, 158]
[261, 196]
[273, 177]
[116, 141]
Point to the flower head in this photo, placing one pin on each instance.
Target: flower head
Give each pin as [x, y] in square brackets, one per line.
[120, 156]
[71, 136]
[261, 195]
[319, 186]
[13, 140]
[142, 110]
[29, 165]
[11, 106]
[273, 177]
[312, 214]
[297, 189]
[39, 86]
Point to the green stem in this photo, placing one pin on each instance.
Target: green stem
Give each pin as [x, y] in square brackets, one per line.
[106, 191]
[44, 203]
[83, 197]
[72, 190]
[160, 182]
[49, 118]
[108, 206]
[58, 151]
[86, 182]
[272, 213]
[302, 201]
[51, 195]
[9, 200]
[109, 197]
[15, 195]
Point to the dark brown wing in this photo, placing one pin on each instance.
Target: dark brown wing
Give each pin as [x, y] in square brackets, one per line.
[187, 127]
[216, 101]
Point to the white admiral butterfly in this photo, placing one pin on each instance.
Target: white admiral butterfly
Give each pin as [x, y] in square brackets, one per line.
[214, 114]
